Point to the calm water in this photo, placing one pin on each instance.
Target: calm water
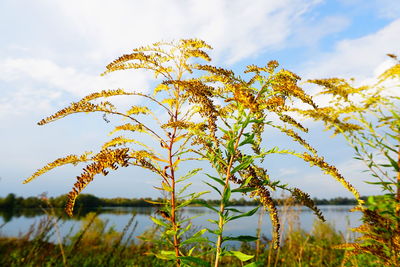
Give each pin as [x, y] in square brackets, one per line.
[338, 216]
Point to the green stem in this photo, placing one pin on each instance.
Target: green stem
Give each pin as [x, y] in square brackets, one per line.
[173, 197]
[221, 222]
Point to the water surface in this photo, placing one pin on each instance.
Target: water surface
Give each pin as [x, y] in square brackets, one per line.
[16, 224]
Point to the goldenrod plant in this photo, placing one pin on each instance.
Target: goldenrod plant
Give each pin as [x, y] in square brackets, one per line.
[368, 117]
[248, 108]
[234, 113]
[172, 96]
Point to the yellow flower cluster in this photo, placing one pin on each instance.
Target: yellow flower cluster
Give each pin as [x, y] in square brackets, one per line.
[200, 95]
[129, 127]
[105, 93]
[258, 177]
[81, 106]
[177, 124]
[291, 121]
[70, 159]
[194, 44]
[333, 171]
[117, 141]
[268, 203]
[336, 87]
[119, 63]
[138, 110]
[216, 71]
[306, 200]
[246, 98]
[104, 159]
[142, 158]
[297, 138]
[274, 103]
[285, 82]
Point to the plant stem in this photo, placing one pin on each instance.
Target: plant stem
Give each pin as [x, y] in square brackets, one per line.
[173, 196]
[221, 218]
[222, 204]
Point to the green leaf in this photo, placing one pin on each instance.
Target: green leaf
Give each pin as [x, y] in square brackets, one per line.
[243, 165]
[190, 174]
[253, 264]
[190, 200]
[187, 228]
[170, 232]
[393, 162]
[259, 121]
[190, 259]
[240, 255]
[231, 147]
[247, 181]
[242, 238]
[191, 251]
[183, 189]
[381, 183]
[234, 210]
[248, 140]
[166, 187]
[386, 165]
[227, 195]
[189, 218]
[166, 255]
[223, 130]
[159, 222]
[218, 180]
[215, 232]
[246, 214]
[154, 202]
[200, 233]
[196, 237]
[213, 221]
[245, 123]
[388, 147]
[194, 240]
[205, 204]
[213, 187]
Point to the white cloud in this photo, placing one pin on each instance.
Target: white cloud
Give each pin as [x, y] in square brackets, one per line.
[104, 30]
[237, 28]
[357, 58]
[36, 83]
[67, 79]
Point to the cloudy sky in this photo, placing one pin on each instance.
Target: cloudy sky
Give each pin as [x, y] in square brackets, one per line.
[52, 52]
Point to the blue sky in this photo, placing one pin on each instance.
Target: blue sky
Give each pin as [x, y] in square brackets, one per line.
[52, 52]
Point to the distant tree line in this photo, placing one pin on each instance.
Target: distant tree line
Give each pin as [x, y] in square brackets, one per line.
[84, 200]
[90, 201]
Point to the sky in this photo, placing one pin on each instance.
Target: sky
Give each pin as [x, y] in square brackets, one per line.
[52, 52]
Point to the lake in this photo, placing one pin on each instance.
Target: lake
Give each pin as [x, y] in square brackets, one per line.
[18, 223]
